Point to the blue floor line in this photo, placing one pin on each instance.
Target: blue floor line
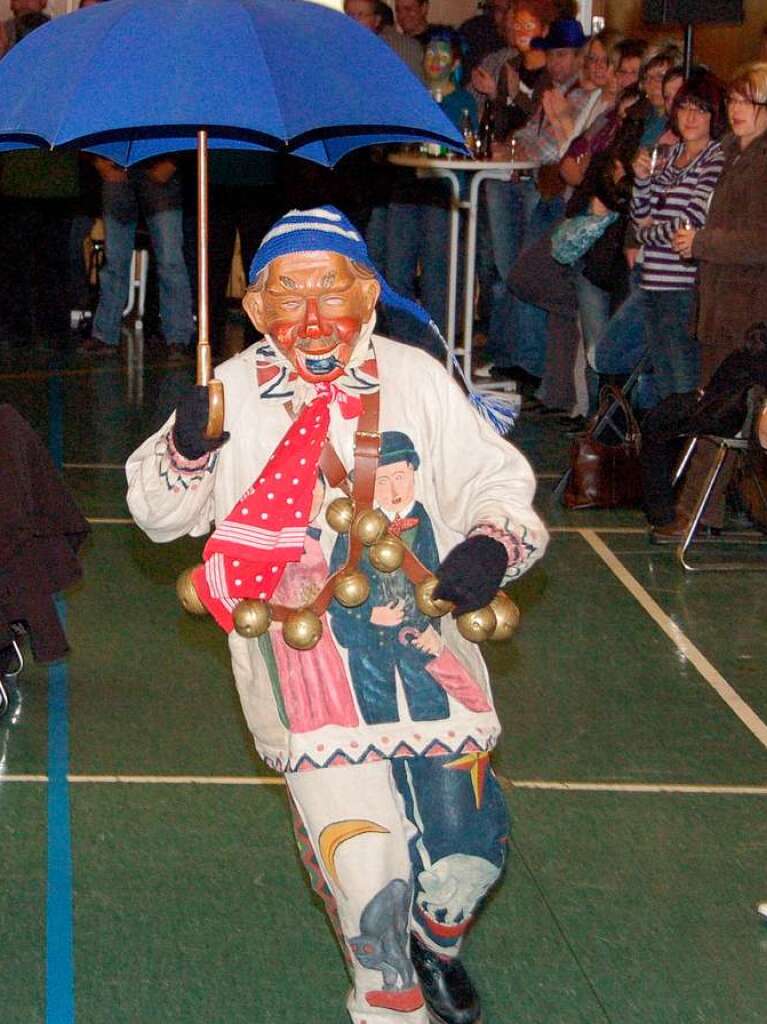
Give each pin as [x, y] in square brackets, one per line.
[60, 995]
[59, 928]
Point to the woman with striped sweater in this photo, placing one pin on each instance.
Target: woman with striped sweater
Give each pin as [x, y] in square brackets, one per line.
[666, 198]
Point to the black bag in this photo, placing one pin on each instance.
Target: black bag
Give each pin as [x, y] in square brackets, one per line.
[605, 475]
[604, 264]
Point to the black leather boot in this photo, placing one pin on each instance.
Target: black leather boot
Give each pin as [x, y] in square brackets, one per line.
[450, 996]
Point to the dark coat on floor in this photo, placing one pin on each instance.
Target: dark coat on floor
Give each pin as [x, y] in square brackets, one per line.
[41, 530]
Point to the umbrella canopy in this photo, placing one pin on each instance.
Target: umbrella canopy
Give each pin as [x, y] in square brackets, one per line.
[132, 79]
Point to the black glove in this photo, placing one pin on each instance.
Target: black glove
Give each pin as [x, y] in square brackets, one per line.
[191, 420]
[471, 573]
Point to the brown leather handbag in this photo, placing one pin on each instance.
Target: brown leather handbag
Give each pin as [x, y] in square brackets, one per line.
[549, 181]
[606, 475]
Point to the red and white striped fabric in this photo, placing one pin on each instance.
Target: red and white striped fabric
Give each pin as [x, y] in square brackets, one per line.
[247, 554]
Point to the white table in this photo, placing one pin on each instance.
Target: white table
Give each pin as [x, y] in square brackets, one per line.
[450, 170]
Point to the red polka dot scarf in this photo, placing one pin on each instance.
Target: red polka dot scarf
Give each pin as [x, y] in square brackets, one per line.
[247, 553]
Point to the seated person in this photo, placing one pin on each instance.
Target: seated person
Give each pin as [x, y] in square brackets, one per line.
[719, 409]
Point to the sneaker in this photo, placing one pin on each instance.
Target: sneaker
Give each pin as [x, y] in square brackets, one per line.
[676, 531]
[484, 372]
[762, 911]
[516, 373]
[448, 990]
[179, 353]
[96, 347]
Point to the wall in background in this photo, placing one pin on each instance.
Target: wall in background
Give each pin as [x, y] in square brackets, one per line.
[54, 7]
[722, 47]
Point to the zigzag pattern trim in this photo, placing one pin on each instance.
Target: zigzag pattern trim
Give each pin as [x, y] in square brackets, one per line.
[340, 757]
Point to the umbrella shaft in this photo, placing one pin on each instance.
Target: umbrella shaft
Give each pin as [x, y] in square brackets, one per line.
[204, 365]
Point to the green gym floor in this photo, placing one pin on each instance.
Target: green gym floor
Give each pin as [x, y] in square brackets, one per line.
[148, 868]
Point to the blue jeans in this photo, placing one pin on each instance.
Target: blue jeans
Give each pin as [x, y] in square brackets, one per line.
[521, 340]
[162, 209]
[375, 237]
[502, 203]
[594, 312]
[672, 345]
[622, 344]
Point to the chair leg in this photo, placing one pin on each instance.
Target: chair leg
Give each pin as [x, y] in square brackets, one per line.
[713, 475]
[758, 482]
[685, 460]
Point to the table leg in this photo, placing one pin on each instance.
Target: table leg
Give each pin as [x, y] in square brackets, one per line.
[471, 262]
[452, 274]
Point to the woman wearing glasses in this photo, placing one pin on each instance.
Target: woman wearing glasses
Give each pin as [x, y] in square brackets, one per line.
[730, 251]
[663, 202]
[731, 248]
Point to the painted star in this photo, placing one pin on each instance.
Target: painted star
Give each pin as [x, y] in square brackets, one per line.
[476, 765]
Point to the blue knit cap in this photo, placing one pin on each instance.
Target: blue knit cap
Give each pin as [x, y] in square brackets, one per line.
[326, 229]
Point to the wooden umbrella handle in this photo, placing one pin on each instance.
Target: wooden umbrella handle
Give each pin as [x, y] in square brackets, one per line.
[215, 426]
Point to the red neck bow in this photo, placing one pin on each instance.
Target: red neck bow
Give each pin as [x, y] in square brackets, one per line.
[248, 552]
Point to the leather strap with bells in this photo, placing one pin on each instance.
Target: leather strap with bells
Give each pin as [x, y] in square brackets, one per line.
[367, 447]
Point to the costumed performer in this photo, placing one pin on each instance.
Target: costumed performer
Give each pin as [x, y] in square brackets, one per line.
[397, 811]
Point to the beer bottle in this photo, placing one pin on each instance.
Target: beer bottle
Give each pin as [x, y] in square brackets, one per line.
[486, 130]
[467, 130]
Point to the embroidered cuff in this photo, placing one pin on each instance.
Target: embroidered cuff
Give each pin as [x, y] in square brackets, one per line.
[519, 546]
[180, 462]
[178, 472]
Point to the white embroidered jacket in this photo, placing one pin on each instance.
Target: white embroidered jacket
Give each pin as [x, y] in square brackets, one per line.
[469, 480]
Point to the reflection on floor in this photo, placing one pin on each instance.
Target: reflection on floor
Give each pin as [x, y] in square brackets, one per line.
[638, 794]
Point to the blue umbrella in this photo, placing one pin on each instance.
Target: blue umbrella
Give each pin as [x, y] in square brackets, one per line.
[132, 79]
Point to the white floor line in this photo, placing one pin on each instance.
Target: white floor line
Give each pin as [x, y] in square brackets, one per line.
[638, 787]
[94, 465]
[8, 777]
[563, 786]
[712, 676]
[180, 780]
[598, 529]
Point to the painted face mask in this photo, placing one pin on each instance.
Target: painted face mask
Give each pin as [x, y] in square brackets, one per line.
[313, 306]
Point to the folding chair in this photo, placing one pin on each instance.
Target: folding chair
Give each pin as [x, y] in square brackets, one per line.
[747, 446]
[11, 664]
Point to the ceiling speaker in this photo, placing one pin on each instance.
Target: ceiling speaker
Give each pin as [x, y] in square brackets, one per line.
[691, 12]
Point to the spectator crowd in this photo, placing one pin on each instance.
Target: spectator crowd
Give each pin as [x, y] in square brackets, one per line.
[632, 243]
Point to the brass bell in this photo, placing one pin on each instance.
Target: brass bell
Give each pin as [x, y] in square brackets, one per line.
[187, 594]
[478, 625]
[427, 603]
[251, 618]
[370, 525]
[339, 514]
[387, 554]
[302, 629]
[351, 588]
[506, 616]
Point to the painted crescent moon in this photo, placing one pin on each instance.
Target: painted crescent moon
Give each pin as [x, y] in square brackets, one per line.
[337, 833]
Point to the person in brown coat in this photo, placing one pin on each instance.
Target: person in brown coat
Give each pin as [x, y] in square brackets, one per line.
[731, 252]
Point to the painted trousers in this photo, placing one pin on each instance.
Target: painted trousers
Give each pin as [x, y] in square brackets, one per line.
[394, 847]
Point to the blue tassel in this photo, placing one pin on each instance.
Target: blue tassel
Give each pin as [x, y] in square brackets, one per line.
[500, 411]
